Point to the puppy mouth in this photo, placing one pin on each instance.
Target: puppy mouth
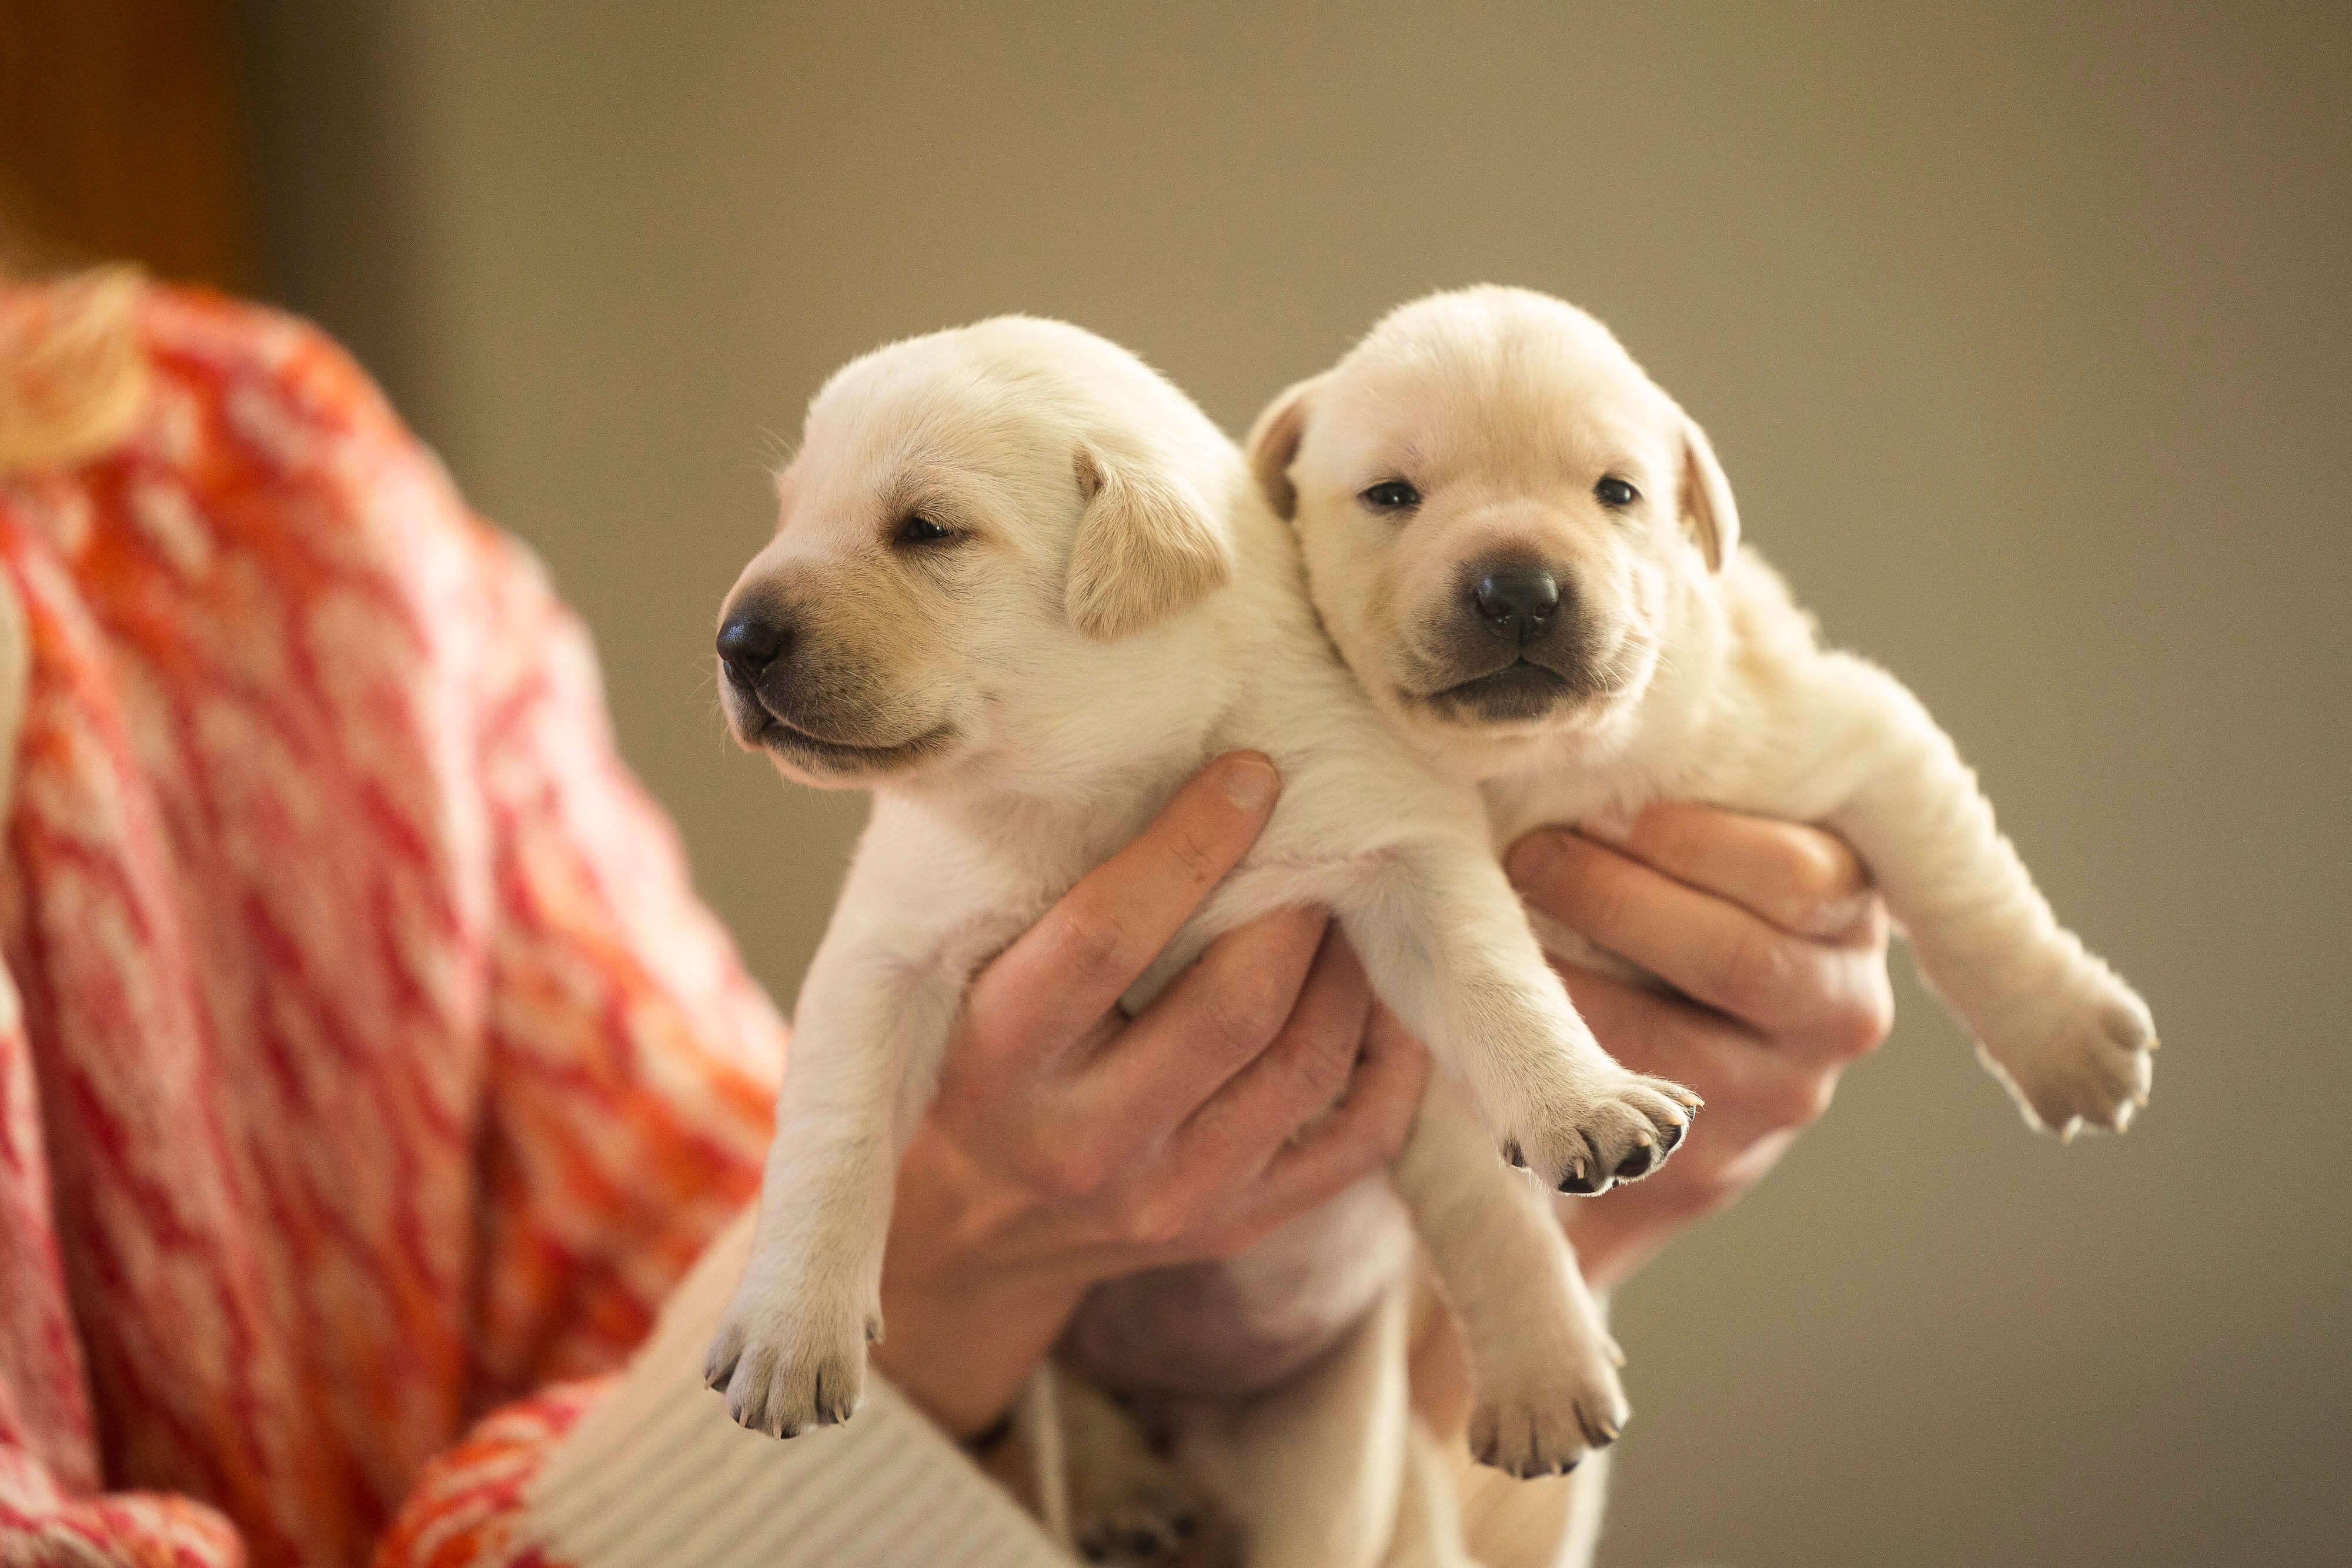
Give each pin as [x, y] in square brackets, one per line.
[761, 726]
[1518, 691]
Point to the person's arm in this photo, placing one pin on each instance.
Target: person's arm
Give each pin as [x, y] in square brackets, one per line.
[631, 1063]
[1776, 947]
[1067, 1144]
[52, 1506]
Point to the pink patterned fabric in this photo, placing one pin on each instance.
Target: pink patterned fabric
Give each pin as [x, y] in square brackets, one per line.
[375, 1063]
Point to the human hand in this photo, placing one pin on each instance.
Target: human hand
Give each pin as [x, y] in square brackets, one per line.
[1067, 1144]
[1777, 944]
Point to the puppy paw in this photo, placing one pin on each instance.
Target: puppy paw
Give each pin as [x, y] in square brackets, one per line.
[785, 1368]
[1153, 1525]
[2079, 1054]
[1619, 1131]
[1542, 1417]
[1128, 1503]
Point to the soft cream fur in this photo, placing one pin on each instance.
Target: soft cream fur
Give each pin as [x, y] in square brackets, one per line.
[1679, 667]
[1119, 605]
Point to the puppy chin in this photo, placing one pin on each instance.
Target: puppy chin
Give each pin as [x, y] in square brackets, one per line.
[1574, 684]
[824, 763]
[1515, 695]
[1520, 700]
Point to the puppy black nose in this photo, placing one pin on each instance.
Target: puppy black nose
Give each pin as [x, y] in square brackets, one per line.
[751, 641]
[1517, 603]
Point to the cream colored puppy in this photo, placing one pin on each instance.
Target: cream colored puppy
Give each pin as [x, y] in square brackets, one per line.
[1021, 589]
[1529, 554]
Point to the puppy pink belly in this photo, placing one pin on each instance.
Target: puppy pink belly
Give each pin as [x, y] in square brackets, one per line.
[1235, 1327]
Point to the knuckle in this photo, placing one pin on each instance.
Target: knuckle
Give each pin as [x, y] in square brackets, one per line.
[1819, 881]
[1246, 1008]
[1866, 1024]
[1093, 940]
[1077, 1171]
[1806, 879]
[1322, 1062]
[1152, 1219]
[1758, 971]
[1814, 867]
[1194, 854]
[1801, 1101]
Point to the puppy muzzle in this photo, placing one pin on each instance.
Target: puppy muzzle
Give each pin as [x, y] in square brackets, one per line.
[777, 699]
[1505, 645]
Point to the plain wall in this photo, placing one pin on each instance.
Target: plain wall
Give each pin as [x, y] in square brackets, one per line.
[2023, 339]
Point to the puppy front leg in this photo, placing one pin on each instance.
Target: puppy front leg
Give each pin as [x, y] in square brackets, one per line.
[1544, 1366]
[1447, 947]
[2054, 1022]
[790, 1353]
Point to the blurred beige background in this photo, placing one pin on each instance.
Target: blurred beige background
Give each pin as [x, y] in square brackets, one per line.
[2024, 338]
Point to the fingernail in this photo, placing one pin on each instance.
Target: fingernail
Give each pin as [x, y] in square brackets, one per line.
[1249, 782]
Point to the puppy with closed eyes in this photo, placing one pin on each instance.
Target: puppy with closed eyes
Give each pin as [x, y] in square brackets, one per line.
[1529, 554]
[1021, 588]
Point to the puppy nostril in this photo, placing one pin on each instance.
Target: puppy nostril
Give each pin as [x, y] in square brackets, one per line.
[1517, 603]
[748, 643]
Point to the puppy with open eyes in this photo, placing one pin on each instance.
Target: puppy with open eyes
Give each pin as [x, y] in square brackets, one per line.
[1023, 589]
[1529, 554]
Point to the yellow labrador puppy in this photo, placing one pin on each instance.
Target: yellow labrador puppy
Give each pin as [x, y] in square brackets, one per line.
[1021, 588]
[1528, 554]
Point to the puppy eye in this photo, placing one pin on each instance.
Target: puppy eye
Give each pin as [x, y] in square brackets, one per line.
[1391, 495]
[919, 529]
[1615, 493]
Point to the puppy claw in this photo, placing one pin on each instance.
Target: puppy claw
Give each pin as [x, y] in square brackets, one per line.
[1154, 1526]
[1621, 1131]
[1542, 1412]
[1576, 1181]
[781, 1378]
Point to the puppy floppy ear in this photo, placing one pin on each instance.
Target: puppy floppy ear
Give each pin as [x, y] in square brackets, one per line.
[1706, 503]
[1148, 545]
[1274, 443]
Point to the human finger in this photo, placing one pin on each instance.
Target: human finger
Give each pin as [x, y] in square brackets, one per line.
[1705, 946]
[1213, 1022]
[1237, 1131]
[1054, 983]
[1750, 1088]
[1799, 878]
[1364, 1132]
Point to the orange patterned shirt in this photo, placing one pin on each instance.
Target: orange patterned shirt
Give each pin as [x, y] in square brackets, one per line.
[374, 1063]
